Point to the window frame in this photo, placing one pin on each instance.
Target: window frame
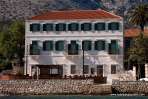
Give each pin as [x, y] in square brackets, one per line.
[46, 48]
[83, 28]
[111, 28]
[32, 28]
[45, 27]
[57, 46]
[103, 47]
[98, 29]
[70, 26]
[87, 46]
[73, 69]
[58, 28]
[113, 70]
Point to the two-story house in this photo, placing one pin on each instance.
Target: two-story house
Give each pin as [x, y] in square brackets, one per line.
[76, 42]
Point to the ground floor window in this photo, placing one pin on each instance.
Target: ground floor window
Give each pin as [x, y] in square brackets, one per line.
[73, 69]
[86, 69]
[99, 70]
[92, 71]
[53, 71]
[113, 69]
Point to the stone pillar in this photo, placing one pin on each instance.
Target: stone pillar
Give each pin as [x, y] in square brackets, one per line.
[134, 72]
[146, 70]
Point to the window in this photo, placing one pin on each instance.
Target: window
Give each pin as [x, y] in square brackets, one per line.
[59, 46]
[73, 27]
[113, 69]
[73, 69]
[48, 27]
[99, 26]
[86, 26]
[48, 45]
[99, 70]
[61, 27]
[113, 26]
[73, 48]
[34, 27]
[86, 45]
[100, 45]
[34, 48]
[86, 69]
[92, 71]
[113, 47]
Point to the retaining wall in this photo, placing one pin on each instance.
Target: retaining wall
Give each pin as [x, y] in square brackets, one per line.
[48, 87]
[130, 87]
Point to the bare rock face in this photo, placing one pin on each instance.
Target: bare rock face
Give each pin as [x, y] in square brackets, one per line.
[22, 9]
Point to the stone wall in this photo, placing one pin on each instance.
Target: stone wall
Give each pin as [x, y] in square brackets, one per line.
[47, 87]
[130, 87]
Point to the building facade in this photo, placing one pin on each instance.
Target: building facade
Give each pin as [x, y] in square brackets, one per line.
[77, 42]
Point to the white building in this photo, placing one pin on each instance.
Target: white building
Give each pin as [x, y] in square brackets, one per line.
[54, 43]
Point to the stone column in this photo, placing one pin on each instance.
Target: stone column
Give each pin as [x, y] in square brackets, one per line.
[134, 72]
[146, 70]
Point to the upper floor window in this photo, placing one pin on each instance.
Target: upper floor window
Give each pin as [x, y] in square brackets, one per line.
[100, 45]
[114, 47]
[113, 26]
[73, 48]
[48, 45]
[86, 26]
[48, 27]
[99, 26]
[34, 27]
[73, 27]
[86, 45]
[34, 48]
[59, 46]
[60, 27]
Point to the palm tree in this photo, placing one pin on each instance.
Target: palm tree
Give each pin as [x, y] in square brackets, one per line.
[139, 16]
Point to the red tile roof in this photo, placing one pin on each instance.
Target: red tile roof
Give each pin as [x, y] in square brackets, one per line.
[76, 14]
[133, 32]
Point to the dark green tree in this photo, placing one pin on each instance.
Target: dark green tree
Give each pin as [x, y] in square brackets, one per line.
[139, 16]
[137, 52]
[12, 43]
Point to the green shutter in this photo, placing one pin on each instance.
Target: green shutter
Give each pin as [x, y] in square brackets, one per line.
[114, 47]
[48, 27]
[61, 27]
[99, 26]
[35, 27]
[73, 48]
[73, 27]
[113, 26]
[86, 26]
[34, 48]
[86, 45]
[48, 45]
[59, 46]
[100, 45]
